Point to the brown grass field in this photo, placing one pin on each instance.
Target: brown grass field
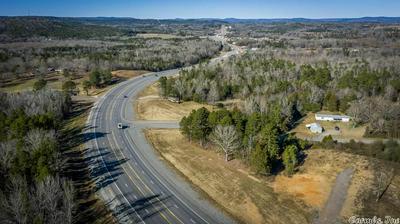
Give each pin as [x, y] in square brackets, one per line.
[276, 199]
[150, 106]
[55, 80]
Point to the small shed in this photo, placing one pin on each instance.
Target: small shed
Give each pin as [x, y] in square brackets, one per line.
[174, 99]
[314, 128]
[332, 117]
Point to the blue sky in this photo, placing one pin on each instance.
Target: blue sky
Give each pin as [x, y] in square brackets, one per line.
[203, 8]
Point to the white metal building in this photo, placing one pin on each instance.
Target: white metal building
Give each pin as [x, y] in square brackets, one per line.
[329, 117]
[314, 128]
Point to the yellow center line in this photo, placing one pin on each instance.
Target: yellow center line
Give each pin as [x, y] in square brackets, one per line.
[136, 174]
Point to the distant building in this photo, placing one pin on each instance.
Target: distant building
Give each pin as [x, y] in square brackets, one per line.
[174, 99]
[315, 128]
[329, 117]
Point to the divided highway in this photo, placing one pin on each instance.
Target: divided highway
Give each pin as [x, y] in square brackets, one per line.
[130, 176]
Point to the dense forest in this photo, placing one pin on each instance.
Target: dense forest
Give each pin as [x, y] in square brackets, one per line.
[25, 28]
[369, 95]
[81, 56]
[258, 139]
[33, 188]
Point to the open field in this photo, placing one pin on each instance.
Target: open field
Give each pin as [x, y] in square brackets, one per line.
[347, 130]
[127, 74]
[55, 80]
[277, 199]
[150, 106]
[158, 35]
[230, 185]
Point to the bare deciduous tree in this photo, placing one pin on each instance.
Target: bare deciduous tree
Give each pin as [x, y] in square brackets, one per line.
[213, 94]
[226, 138]
[180, 88]
[383, 181]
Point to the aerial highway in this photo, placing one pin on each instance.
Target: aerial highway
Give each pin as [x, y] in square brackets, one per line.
[130, 177]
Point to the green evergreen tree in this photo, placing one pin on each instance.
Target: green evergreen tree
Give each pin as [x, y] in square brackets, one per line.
[186, 126]
[289, 157]
[200, 125]
[39, 84]
[86, 86]
[331, 102]
[106, 77]
[259, 160]
[69, 86]
[95, 78]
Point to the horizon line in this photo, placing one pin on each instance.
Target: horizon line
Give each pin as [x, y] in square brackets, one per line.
[206, 18]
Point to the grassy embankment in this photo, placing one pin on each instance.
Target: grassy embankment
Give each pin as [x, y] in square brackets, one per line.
[55, 80]
[276, 199]
[150, 106]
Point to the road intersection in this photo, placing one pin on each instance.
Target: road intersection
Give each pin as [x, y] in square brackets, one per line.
[130, 177]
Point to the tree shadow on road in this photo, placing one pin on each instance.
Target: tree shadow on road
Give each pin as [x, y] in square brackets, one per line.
[140, 209]
[83, 166]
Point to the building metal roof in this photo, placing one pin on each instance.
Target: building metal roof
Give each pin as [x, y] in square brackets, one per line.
[334, 116]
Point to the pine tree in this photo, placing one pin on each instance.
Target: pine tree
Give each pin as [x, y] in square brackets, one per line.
[200, 126]
[259, 160]
[331, 102]
[289, 158]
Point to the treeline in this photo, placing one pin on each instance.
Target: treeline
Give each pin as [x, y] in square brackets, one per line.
[23, 28]
[135, 53]
[370, 96]
[389, 150]
[257, 139]
[32, 186]
[29, 27]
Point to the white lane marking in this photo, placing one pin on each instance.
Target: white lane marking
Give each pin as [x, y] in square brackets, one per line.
[151, 182]
[143, 171]
[136, 163]
[176, 206]
[147, 211]
[102, 159]
[126, 185]
[135, 197]
[192, 221]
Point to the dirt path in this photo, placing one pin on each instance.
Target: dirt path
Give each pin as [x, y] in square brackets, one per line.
[331, 211]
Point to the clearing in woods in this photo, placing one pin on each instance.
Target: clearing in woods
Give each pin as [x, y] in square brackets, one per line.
[276, 199]
[150, 106]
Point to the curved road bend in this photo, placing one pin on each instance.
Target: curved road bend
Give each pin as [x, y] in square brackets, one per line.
[130, 177]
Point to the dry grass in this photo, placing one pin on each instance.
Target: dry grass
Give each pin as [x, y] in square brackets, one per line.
[279, 199]
[321, 168]
[55, 81]
[346, 129]
[161, 109]
[158, 35]
[127, 74]
[231, 185]
[150, 106]
[152, 90]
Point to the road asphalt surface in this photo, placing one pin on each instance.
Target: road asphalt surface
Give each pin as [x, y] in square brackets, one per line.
[130, 177]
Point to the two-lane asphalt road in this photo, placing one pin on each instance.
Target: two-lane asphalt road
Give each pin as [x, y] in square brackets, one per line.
[130, 176]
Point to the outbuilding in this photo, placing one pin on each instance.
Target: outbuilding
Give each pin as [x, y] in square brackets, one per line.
[332, 117]
[315, 128]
